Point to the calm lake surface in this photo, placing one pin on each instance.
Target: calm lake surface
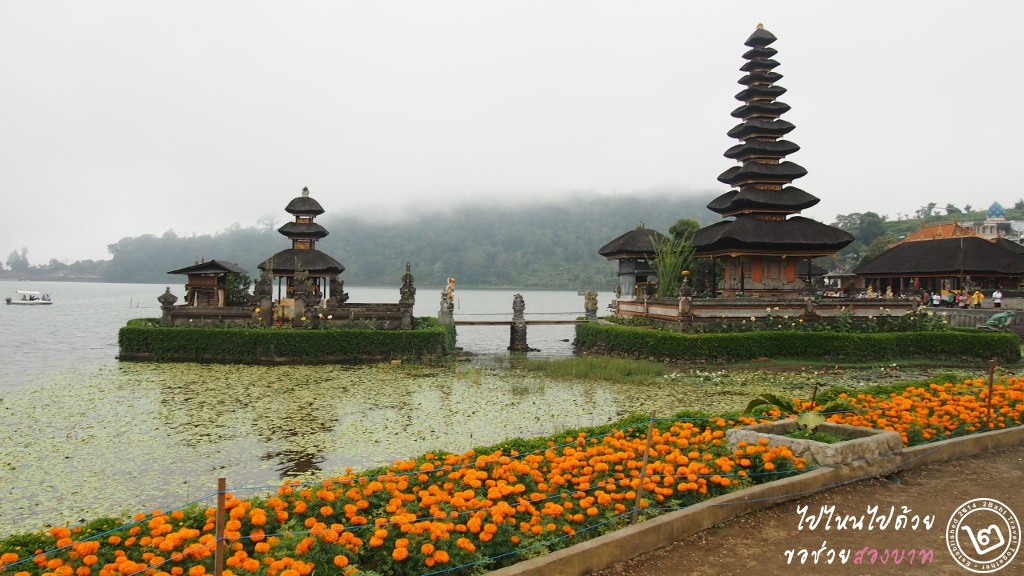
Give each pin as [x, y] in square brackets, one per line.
[83, 435]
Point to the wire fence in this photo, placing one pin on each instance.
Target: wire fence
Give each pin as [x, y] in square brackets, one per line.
[659, 480]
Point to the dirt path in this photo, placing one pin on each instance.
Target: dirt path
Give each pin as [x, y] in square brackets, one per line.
[755, 544]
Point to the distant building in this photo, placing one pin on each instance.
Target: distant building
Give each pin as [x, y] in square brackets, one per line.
[995, 225]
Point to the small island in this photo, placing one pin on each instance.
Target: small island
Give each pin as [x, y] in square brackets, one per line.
[298, 312]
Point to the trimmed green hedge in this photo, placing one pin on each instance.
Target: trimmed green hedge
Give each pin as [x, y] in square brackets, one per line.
[146, 340]
[663, 345]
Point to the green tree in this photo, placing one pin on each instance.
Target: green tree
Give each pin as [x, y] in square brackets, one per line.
[684, 228]
[952, 210]
[878, 245]
[237, 288]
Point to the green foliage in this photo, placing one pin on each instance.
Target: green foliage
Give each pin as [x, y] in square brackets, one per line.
[145, 339]
[537, 245]
[672, 257]
[598, 367]
[672, 346]
[807, 419]
[237, 287]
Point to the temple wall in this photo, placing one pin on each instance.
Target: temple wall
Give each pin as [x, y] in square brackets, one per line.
[710, 310]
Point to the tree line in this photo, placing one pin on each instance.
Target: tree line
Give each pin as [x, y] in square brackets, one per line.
[539, 245]
[550, 244]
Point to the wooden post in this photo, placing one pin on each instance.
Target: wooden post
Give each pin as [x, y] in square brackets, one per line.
[218, 555]
[988, 408]
[643, 469]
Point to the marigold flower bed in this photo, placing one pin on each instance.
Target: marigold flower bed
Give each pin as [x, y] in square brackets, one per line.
[458, 514]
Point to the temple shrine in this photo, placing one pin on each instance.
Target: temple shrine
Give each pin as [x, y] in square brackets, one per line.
[303, 261]
[763, 241]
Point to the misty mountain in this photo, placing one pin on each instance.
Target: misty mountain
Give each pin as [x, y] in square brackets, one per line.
[541, 245]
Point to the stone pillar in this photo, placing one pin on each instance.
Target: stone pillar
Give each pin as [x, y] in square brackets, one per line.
[262, 298]
[517, 337]
[590, 306]
[684, 306]
[167, 301]
[301, 292]
[408, 297]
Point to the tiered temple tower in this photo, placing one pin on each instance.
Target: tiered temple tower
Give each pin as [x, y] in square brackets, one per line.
[303, 267]
[764, 242]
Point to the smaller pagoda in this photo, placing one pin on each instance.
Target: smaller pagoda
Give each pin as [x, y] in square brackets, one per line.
[634, 251]
[763, 243]
[302, 271]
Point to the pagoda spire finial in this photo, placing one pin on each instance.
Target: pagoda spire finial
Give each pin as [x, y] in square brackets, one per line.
[305, 190]
[760, 26]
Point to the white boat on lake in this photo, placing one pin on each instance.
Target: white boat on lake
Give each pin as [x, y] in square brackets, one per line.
[29, 298]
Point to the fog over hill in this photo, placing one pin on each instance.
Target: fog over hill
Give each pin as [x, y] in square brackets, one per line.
[539, 245]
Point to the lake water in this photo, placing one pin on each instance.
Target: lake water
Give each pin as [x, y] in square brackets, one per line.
[83, 435]
[80, 329]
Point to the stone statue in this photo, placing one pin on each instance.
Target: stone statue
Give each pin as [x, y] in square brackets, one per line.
[167, 301]
[518, 306]
[408, 290]
[444, 315]
[338, 294]
[1000, 320]
[590, 305]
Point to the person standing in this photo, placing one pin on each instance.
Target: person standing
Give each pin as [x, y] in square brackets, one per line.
[997, 299]
[976, 298]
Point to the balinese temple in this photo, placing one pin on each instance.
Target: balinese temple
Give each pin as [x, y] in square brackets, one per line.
[207, 282]
[763, 242]
[634, 251]
[303, 258]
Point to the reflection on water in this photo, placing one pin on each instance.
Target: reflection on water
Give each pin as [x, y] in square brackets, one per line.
[132, 436]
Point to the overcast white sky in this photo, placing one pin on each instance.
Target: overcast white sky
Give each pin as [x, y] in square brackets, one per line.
[132, 117]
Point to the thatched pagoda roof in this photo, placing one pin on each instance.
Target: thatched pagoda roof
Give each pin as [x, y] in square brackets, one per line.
[750, 235]
[303, 230]
[304, 205]
[313, 261]
[636, 243]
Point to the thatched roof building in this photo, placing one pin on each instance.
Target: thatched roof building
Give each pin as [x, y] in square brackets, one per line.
[946, 263]
[207, 282]
[763, 241]
[634, 251]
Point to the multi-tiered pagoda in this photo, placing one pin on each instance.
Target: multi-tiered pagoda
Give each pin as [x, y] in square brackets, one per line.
[764, 242]
[302, 267]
